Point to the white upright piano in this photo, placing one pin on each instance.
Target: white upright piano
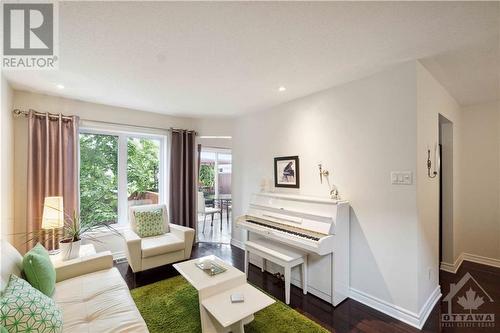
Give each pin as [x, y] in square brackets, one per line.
[318, 226]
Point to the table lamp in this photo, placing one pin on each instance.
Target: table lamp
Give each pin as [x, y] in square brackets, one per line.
[53, 218]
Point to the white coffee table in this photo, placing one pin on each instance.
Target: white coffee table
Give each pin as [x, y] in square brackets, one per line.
[217, 313]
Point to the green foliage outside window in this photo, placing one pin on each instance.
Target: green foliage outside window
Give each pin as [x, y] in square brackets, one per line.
[99, 174]
[207, 175]
[98, 178]
[143, 165]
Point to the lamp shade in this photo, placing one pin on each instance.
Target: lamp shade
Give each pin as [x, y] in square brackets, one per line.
[53, 213]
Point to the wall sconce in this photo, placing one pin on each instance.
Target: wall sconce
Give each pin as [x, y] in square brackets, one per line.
[322, 173]
[434, 173]
[334, 192]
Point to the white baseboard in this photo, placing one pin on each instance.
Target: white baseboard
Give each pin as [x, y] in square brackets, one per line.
[237, 243]
[453, 268]
[426, 310]
[399, 313]
[481, 260]
[447, 267]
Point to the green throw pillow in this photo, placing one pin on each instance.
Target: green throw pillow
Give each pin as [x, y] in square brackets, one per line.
[39, 270]
[25, 309]
[149, 223]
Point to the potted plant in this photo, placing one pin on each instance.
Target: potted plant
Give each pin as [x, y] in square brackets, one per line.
[71, 239]
[73, 232]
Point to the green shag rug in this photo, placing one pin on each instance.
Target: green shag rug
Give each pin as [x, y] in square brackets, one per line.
[171, 306]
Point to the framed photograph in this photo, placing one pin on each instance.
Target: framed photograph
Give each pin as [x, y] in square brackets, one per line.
[286, 171]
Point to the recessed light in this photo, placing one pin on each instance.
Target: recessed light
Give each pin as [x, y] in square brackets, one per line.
[281, 88]
[60, 86]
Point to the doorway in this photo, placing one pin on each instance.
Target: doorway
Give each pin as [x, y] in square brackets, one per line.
[214, 195]
[445, 191]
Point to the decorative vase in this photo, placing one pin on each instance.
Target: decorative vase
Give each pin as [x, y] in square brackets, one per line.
[70, 250]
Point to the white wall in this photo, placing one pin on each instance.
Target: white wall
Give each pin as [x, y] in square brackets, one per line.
[215, 127]
[360, 131]
[432, 100]
[7, 163]
[480, 195]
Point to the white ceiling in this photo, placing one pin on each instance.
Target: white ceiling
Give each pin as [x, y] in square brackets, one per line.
[223, 58]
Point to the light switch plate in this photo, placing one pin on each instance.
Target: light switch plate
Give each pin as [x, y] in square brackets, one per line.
[401, 177]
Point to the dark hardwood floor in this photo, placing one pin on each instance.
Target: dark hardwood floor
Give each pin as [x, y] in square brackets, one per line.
[350, 315]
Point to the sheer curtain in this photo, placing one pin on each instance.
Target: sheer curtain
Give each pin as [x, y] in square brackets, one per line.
[52, 165]
[182, 187]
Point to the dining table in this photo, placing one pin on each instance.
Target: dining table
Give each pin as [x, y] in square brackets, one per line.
[223, 201]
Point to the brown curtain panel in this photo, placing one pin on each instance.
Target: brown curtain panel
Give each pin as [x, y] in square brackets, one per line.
[52, 165]
[183, 179]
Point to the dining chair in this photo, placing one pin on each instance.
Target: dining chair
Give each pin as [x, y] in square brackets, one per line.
[204, 210]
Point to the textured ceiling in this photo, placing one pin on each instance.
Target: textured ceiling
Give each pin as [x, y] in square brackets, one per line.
[207, 58]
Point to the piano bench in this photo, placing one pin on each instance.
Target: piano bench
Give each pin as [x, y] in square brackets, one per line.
[281, 255]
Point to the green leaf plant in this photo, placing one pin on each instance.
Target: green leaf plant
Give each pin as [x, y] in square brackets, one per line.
[72, 231]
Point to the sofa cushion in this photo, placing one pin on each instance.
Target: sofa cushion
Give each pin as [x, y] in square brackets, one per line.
[153, 246]
[98, 302]
[39, 270]
[25, 309]
[149, 223]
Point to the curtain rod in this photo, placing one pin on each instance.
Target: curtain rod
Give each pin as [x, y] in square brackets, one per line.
[21, 113]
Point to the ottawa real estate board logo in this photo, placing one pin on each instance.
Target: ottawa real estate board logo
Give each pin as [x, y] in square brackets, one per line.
[468, 305]
[30, 38]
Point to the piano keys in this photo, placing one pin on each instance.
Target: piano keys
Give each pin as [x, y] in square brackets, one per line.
[317, 226]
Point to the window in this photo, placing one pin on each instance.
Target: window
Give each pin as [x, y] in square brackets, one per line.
[215, 172]
[224, 166]
[119, 170]
[98, 178]
[143, 167]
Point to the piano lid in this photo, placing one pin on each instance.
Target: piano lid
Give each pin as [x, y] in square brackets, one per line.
[309, 213]
[304, 198]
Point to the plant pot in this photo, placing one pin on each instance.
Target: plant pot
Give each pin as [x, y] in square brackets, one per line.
[70, 250]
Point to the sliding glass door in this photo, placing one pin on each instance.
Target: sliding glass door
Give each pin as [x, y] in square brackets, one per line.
[215, 184]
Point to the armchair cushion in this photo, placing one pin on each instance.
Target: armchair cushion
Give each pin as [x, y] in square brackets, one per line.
[157, 245]
[149, 222]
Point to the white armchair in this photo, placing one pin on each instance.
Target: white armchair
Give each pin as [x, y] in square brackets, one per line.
[149, 252]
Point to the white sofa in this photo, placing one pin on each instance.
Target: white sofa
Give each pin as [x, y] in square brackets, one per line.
[90, 292]
[149, 252]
